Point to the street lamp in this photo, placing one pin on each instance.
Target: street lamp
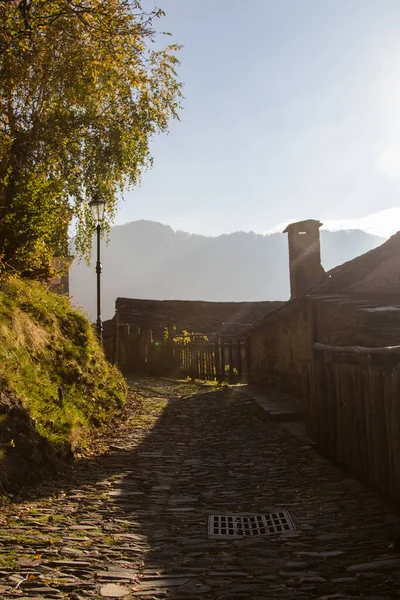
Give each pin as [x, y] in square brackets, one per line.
[97, 207]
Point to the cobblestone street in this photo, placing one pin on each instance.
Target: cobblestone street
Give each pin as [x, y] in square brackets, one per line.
[133, 521]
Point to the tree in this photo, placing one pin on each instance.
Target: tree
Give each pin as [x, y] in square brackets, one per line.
[81, 94]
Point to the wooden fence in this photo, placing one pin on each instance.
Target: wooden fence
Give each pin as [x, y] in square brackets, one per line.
[191, 356]
[353, 411]
[200, 359]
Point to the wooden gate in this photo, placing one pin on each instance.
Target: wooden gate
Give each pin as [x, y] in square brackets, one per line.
[191, 356]
[198, 358]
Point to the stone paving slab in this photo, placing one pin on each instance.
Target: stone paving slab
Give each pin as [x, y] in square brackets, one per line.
[132, 523]
[278, 405]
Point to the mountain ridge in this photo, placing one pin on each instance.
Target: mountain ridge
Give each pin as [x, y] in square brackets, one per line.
[148, 259]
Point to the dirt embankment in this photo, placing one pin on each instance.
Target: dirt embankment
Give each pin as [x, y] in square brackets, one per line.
[56, 387]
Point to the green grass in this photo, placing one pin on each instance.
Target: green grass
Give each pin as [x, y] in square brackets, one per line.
[51, 361]
[30, 540]
[7, 561]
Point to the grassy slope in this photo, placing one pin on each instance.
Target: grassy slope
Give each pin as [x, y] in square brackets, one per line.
[52, 366]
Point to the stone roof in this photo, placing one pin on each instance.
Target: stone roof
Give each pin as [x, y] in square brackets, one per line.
[371, 275]
[370, 282]
[225, 319]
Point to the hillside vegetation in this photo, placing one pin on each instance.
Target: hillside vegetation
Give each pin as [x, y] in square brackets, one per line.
[55, 384]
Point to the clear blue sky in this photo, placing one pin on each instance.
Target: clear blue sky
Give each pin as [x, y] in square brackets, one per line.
[291, 111]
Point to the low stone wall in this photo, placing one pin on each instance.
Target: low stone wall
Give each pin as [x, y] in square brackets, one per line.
[224, 319]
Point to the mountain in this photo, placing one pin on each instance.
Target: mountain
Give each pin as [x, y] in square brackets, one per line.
[145, 259]
[384, 223]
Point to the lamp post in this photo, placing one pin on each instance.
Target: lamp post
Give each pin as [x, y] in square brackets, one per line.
[97, 207]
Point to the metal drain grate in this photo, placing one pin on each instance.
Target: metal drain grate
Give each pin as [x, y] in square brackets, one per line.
[227, 526]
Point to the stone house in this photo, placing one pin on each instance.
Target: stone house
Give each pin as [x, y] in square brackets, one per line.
[336, 346]
[60, 282]
[355, 304]
[214, 319]
[226, 319]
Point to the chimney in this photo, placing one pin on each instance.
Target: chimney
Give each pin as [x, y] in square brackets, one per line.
[306, 271]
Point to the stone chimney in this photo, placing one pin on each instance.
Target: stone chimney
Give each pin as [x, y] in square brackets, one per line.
[306, 271]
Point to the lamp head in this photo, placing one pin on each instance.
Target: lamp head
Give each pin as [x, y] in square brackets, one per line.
[97, 207]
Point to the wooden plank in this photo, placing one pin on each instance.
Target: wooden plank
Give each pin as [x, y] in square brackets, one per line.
[192, 361]
[222, 346]
[356, 349]
[217, 351]
[181, 359]
[360, 416]
[208, 362]
[203, 361]
[213, 370]
[330, 409]
[201, 356]
[196, 360]
[395, 424]
[248, 357]
[230, 358]
[239, 357]
[388, 411]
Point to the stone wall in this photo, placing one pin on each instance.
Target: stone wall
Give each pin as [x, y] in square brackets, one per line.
[282, 345]
[353, 321]
[338, 322]
[281, 349]
[59, 284]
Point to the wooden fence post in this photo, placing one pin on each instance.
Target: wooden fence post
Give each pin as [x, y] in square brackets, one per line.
[149, 341]
[248, 357]
[212, 362]
[223, 357]
[218, 372]
[169, 361]
[230, 355]
[239, 357]
[116, 338]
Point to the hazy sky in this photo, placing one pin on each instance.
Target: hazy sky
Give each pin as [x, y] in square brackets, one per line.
[291, 111]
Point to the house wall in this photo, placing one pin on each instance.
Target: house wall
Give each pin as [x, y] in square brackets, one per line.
[282, 348]
[60, 282]
[355, 322]
[339, 323]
